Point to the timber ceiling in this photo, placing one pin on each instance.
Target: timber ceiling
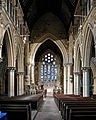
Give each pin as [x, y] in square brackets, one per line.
[34, 9]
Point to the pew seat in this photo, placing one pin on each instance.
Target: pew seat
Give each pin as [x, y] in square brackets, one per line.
[21, 106]
[74, 107]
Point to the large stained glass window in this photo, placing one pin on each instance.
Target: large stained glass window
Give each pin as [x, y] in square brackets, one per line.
[48, 68]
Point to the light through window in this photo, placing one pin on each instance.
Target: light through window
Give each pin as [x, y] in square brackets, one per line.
[48, 68]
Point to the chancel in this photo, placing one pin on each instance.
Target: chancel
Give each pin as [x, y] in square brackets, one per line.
[48, 59]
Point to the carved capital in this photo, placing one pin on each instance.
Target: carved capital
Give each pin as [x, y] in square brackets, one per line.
[28, 63]
[68, 64]
[95, 44]
[20, 73]
[1, 59]
[77, 73]
[11, 68]
[1, 45]
[32, 65]
[86, 68]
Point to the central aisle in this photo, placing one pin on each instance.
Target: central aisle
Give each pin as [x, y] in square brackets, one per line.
[48, 110]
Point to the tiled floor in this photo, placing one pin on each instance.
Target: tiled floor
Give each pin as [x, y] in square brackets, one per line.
[48, 111]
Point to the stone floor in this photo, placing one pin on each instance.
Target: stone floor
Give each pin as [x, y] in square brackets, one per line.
[48, 110]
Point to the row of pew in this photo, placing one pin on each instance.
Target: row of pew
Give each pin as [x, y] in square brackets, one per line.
[75, 107]
[20, 107]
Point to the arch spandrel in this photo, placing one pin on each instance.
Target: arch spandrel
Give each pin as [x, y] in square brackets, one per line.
[48, 23]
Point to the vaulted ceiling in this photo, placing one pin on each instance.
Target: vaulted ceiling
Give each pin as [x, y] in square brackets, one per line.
[34, 9]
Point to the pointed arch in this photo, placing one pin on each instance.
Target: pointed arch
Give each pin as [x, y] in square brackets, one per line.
[19, 58]
[55, 40]
[10, 45]
[89, 38]
[78, 55]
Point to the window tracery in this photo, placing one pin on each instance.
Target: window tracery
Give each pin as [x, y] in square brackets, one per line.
[48, 68]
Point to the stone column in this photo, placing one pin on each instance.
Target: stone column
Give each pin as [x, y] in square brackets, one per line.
[77, 83]
[94, 90]
[32, 74]
[22, 79]
[20, 83]
[94, 5]
[9, 7]
[27, 76]
[65, 79]
[0, 52]
[70, 81]
[95, 49]
[11, 81]
[86, 81]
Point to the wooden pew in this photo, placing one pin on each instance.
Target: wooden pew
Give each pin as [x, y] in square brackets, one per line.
[16, 110]
[82, 106]
[35, 100]
[17, 103]
[82, 113]
[64, 104]
[67, 104]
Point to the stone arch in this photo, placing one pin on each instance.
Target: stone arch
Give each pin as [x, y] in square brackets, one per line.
[78, 56]
[35, 46]
[78, 83]
[88, 55]
[10, 46]
[19, 57]
[87, 44]
[7, 46]
[47, 36]
[18, 71]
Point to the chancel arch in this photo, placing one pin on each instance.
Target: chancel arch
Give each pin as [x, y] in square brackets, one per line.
[35, 46]
[49, 67]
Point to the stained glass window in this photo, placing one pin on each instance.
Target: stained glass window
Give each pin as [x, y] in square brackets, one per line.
[48, 68]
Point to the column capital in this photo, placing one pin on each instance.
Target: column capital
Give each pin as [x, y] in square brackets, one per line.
[94, 77]
[32, 64]
[20, 73]
[77, 73]
[95, 44]
[86, 68]
[1, 45]
[11, 68]
[68, 64]
[1, 59]
[28, 63]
